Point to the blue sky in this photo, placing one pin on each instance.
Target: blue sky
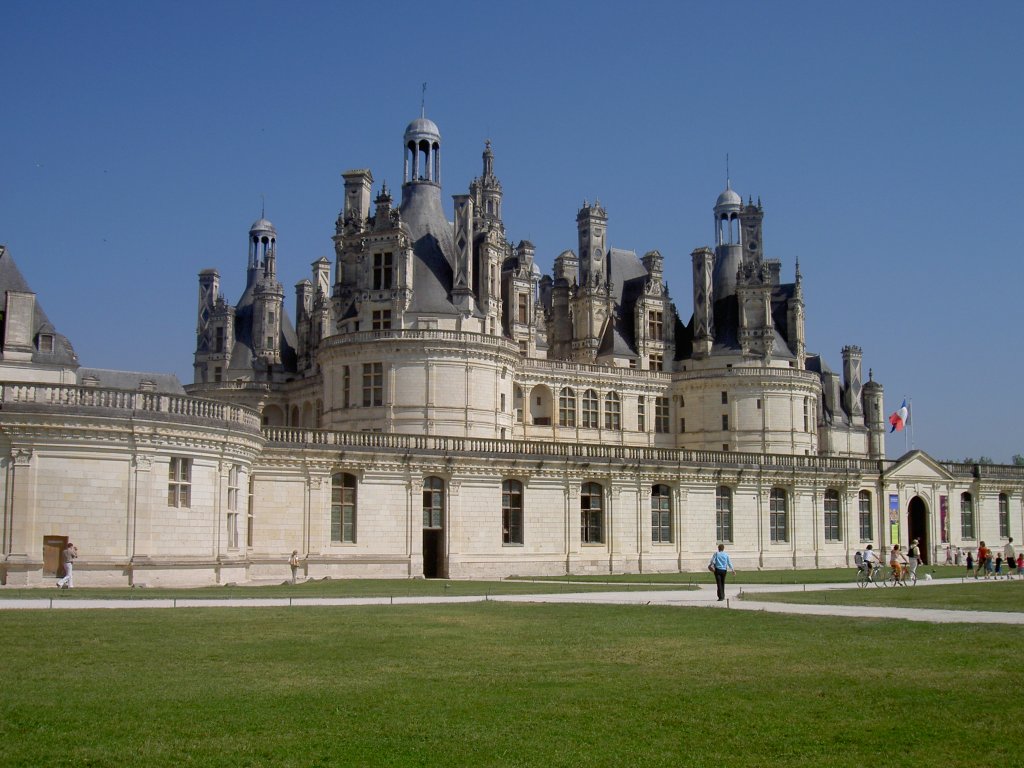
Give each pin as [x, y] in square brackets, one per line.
[884, 140]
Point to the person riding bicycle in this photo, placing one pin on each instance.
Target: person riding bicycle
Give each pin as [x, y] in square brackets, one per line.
[871, 561]
[898, 568]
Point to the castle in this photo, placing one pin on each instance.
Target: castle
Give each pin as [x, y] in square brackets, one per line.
[441, 408]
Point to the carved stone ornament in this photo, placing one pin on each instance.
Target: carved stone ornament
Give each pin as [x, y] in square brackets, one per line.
[22, 457]
[143, 462]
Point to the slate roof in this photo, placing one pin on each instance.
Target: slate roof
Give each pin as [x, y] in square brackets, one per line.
[11, 279]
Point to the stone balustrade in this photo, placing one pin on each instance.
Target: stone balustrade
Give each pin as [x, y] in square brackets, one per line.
[68, 396]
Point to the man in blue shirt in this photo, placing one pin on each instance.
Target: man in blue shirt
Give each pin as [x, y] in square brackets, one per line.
[721, 563]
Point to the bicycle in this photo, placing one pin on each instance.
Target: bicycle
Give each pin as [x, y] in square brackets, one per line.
[902, 579]
[868, 575]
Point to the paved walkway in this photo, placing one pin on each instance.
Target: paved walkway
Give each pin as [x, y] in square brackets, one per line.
[704, 596]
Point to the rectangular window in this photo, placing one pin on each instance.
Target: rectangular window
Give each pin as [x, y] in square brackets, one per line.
[382, 319]
[655, 325]
[723, 514]
[778, 517]
[864, 503]
[233, 491]
[343, 508]
[502, 402]
[612, 412]
[589, 413]
[250, 513]
[1004, 516]
[383, 271]
[661, 515]
[591, 514]
[218, 339]
[641, 415]
[656, 362]
[346, 386]
[522, 308]
[661, 422]
[373, 384]
[511, 512]
[725, 422]
[218, 374]
[831, 520]
[567, 408]
[179, 485]
[725, 398]
[682, 425]
[966, 516]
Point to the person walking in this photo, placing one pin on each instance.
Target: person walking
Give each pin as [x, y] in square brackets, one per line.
[293, 563]
[984, 553]
[913, 556]
[721, 563]
[1010, 557]
[67, 558]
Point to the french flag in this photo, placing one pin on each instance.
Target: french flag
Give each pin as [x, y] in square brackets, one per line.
[900, 418]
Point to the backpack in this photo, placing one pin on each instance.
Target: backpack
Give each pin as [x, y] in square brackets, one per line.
[858, 559]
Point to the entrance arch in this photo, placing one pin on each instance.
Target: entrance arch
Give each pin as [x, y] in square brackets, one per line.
[917, 526]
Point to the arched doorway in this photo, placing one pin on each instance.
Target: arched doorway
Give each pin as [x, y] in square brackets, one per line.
[917, 525]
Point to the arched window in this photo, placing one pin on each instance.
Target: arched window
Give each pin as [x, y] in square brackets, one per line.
[343, 508]
[831, 520]
[661, 514]
[864, 506]
[966, 516]
[612, 411]
[1004, 516]
[591, 514]
[589, 413]
[511, 512]
[567, 408]
[778, 516]
[723, 514]
[433, 502]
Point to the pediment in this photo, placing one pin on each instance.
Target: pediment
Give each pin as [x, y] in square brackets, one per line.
[917, 466]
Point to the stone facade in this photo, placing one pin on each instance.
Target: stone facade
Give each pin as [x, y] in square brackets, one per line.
[440, 407]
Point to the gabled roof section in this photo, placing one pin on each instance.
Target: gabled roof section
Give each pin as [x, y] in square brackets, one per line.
[917, 465]
[11, 279]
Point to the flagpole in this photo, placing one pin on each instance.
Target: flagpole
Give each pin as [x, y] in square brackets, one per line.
[906, 435]
[910, 417]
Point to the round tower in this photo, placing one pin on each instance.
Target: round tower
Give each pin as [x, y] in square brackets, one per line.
[422, 153]
[728, 242]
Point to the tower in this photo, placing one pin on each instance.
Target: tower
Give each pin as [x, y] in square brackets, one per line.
[728, 246]
[591, 228]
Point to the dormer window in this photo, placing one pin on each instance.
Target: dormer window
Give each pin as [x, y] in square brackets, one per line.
[46, 342]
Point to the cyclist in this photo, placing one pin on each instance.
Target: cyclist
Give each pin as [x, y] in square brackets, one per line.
[871, 562]
[898, 568]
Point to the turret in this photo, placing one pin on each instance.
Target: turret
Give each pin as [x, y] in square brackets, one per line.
[703, 302]
[591, 227]
[728, 245]
[852, 404]
[874, 416]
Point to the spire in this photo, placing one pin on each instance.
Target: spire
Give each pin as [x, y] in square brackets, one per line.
[423, 101]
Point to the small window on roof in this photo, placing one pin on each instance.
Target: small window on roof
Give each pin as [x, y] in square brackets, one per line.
[46, 342]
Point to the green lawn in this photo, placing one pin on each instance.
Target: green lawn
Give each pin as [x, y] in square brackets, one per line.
[494, 684]
[991, 596]
[788, 576]
[328, 588]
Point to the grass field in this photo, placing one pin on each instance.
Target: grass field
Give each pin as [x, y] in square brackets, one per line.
[991, 596]
[331, 588]
[789, 576]
[492, 684]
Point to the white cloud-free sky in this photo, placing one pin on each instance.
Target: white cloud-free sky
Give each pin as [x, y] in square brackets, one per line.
[137, 141]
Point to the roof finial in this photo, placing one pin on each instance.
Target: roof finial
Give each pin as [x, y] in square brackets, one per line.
[263, 206]
[423, 101]
[728, 181]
